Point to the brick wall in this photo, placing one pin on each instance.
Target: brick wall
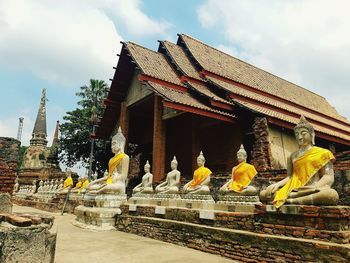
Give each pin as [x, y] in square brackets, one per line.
[9, 150]
[249, 237]
[261, 152]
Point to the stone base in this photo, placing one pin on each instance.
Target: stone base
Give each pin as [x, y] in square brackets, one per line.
[155, 199]
[5, 203]
[237, 203]
[26, 238]
[194, 201]
[96, 218]
[99, 211]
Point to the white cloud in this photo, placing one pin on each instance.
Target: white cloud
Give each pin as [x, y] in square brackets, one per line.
[9, 128]
[306, 42]
[68, 42]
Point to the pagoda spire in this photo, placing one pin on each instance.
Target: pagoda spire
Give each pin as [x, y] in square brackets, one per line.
[52, 159]
[55, 136]
[39, 132]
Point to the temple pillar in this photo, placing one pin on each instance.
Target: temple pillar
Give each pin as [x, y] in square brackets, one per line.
[158, 165]
[124, 122]
[196, 145]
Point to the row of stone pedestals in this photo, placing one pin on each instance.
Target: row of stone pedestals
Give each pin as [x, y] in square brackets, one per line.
[239, 228]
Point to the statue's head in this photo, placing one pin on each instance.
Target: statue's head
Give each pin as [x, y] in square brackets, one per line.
[304, 132]
[41, 183]
[200, 159]
[68, 172]
[147, 167]
[173, 163]
[241, 154]
[118, 142]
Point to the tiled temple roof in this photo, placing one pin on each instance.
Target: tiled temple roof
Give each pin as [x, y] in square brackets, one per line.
[229, 67]
[193, 74]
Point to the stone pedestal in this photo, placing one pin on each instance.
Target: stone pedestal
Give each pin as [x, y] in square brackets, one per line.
[99, 211]
[142, 199]
[5, 203]
[237, 203]
[196, 201]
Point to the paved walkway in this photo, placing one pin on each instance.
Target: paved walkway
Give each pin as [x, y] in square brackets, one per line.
[76, 245]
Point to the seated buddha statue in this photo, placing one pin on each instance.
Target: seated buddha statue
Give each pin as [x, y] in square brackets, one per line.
[242, 175]
[146, 183]
[85, 182]
[78, 185]
[68, 182]
[172, 181]
[41, 185]
[15, 187]
[118, 166]
[201, 179]
[310, 174]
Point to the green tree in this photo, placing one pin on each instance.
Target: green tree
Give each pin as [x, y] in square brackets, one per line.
[22, 150]
[75, 141]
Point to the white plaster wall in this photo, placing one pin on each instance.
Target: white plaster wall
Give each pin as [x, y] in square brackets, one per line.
[282, 145]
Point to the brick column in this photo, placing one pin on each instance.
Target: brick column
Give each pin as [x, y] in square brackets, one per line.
[124, 122]
[261, 152]
[9, 149]
[158, 164]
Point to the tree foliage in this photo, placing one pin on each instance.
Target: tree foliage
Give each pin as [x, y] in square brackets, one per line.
[75, 141]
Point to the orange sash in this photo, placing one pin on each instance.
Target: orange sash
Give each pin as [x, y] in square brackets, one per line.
[113, 164]
[242, 176]
[199, 176]
[305, 167]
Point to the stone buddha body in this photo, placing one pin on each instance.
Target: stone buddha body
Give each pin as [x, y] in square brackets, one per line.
[201, 179]
[242, 175]
[310, 174]
[146, 184]
[118, 166]
[16, 186]
[172, 182]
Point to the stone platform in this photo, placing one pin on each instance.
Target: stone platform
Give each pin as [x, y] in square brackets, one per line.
[292, 234]
[99, 211]
[237, 203]
[26, 238]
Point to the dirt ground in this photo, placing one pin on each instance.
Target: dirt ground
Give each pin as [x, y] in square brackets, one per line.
[76, 245]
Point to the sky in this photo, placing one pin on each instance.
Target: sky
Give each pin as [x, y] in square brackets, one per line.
[60, 45]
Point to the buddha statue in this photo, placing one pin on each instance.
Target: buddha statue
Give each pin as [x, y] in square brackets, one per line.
[78, 185]
[242, 175]
[60, 185]
[55, 186]
[201, 179]
[68, 182]
[40, 188]
[85, 182]
[32, 188]
[15, 187]
[145, 186]
[172, 181]
[118, 166]
[310, 174]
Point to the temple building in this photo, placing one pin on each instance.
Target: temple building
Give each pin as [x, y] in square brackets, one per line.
[190, 97]
[39, 161]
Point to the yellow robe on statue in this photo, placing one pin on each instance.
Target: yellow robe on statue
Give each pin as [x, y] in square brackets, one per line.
[242, 175]
[305, 167]
[113, 164]
[199, 176]
[85, 184]
[68, 182]
[78, 185]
